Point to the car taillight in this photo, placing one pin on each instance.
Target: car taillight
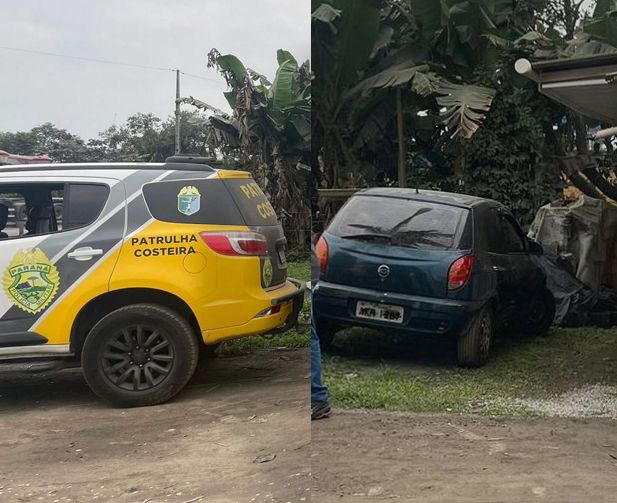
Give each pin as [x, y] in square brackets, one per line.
[236, 243]
[321, 252]
[459, 272]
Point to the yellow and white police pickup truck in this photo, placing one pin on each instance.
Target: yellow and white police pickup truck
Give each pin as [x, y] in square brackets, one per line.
[129, 268]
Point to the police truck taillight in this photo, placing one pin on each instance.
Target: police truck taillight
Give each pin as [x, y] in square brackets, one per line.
[236, 243]
[459, 272]
[321, 253]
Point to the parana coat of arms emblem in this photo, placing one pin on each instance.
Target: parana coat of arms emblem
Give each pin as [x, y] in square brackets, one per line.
[31, 281]
[189, 200]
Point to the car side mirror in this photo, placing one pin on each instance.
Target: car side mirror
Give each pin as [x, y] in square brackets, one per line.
[534, 247]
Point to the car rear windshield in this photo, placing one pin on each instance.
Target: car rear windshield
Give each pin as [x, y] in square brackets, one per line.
[403, 222]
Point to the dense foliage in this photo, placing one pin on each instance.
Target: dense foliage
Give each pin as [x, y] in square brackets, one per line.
[471, 123]
[268, 134]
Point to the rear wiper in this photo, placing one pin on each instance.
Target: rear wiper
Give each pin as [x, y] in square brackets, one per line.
[367, 235]
[372, 228]
[395, 228]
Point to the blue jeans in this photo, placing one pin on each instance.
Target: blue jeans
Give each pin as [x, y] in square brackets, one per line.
[319, 393]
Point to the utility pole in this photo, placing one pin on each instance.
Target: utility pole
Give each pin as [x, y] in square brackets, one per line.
[177, 111]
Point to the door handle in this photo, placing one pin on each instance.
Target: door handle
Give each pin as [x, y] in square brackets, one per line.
[85, 253]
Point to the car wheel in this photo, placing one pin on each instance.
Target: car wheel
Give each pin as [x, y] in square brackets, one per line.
[474, 343]
[138, 355]
[325, 332]
[540, 314]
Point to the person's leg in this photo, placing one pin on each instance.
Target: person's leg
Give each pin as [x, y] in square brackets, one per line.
[319, 393]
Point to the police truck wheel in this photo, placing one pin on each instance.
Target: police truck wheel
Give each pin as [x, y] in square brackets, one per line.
[139, 355]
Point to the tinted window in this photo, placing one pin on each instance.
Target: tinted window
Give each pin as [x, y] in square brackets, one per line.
[403, 222]
[253, 203]
[512, 237]
[196, 201]
[491, 229]
[83, 204]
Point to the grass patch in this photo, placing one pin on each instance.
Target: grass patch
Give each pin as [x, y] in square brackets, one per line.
[368, 369]
[297, 269]
[244, 345]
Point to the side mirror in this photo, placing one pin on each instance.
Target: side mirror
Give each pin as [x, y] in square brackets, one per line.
[534, 247]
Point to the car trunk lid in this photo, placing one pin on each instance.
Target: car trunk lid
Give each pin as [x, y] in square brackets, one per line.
[389, 268]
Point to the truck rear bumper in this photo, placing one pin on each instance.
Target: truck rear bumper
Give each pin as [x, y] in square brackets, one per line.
[271, 320]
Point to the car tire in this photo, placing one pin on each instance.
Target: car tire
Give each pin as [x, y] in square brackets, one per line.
[540, 314]
[139, 355]
[474, 343]
[325, 333]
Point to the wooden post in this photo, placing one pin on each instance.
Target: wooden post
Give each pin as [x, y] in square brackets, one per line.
[402, 182]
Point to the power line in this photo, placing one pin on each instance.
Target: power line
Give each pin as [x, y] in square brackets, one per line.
[122, 63]
[200, 78]
[82, 58]
[106, 61]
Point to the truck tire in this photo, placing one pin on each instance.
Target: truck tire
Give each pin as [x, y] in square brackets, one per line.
[138, 355]
[474, 343]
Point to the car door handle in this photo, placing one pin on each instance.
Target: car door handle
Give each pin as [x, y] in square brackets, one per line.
[86, 253]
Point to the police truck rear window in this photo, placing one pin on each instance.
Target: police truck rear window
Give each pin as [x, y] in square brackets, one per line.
[253, 203]
[210, 201]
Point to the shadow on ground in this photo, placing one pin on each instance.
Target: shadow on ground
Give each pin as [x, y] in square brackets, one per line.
[368, 346]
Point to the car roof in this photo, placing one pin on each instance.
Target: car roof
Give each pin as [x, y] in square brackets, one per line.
[429, 196]
[105, 166]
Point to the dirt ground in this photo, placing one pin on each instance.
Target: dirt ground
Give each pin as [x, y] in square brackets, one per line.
[59, 443]
[368, 456]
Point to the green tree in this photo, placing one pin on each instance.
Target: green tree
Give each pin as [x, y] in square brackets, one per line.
[48, 139]
[451, 62]
[268, 133]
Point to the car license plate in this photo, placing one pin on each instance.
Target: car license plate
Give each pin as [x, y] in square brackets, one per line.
[382, 312]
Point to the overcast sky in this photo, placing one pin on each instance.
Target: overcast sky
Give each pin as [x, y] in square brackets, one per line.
[86, 98]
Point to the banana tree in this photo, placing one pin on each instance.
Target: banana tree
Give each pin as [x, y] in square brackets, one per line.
[374, 61]
[268, 133]
[344, 34]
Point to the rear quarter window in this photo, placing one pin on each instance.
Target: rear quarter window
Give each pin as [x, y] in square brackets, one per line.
[253, 203]
[83, 203]
[403, 222]
[195, 201]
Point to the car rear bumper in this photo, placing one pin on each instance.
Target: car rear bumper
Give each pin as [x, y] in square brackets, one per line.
[290, 298]
[336, 304]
